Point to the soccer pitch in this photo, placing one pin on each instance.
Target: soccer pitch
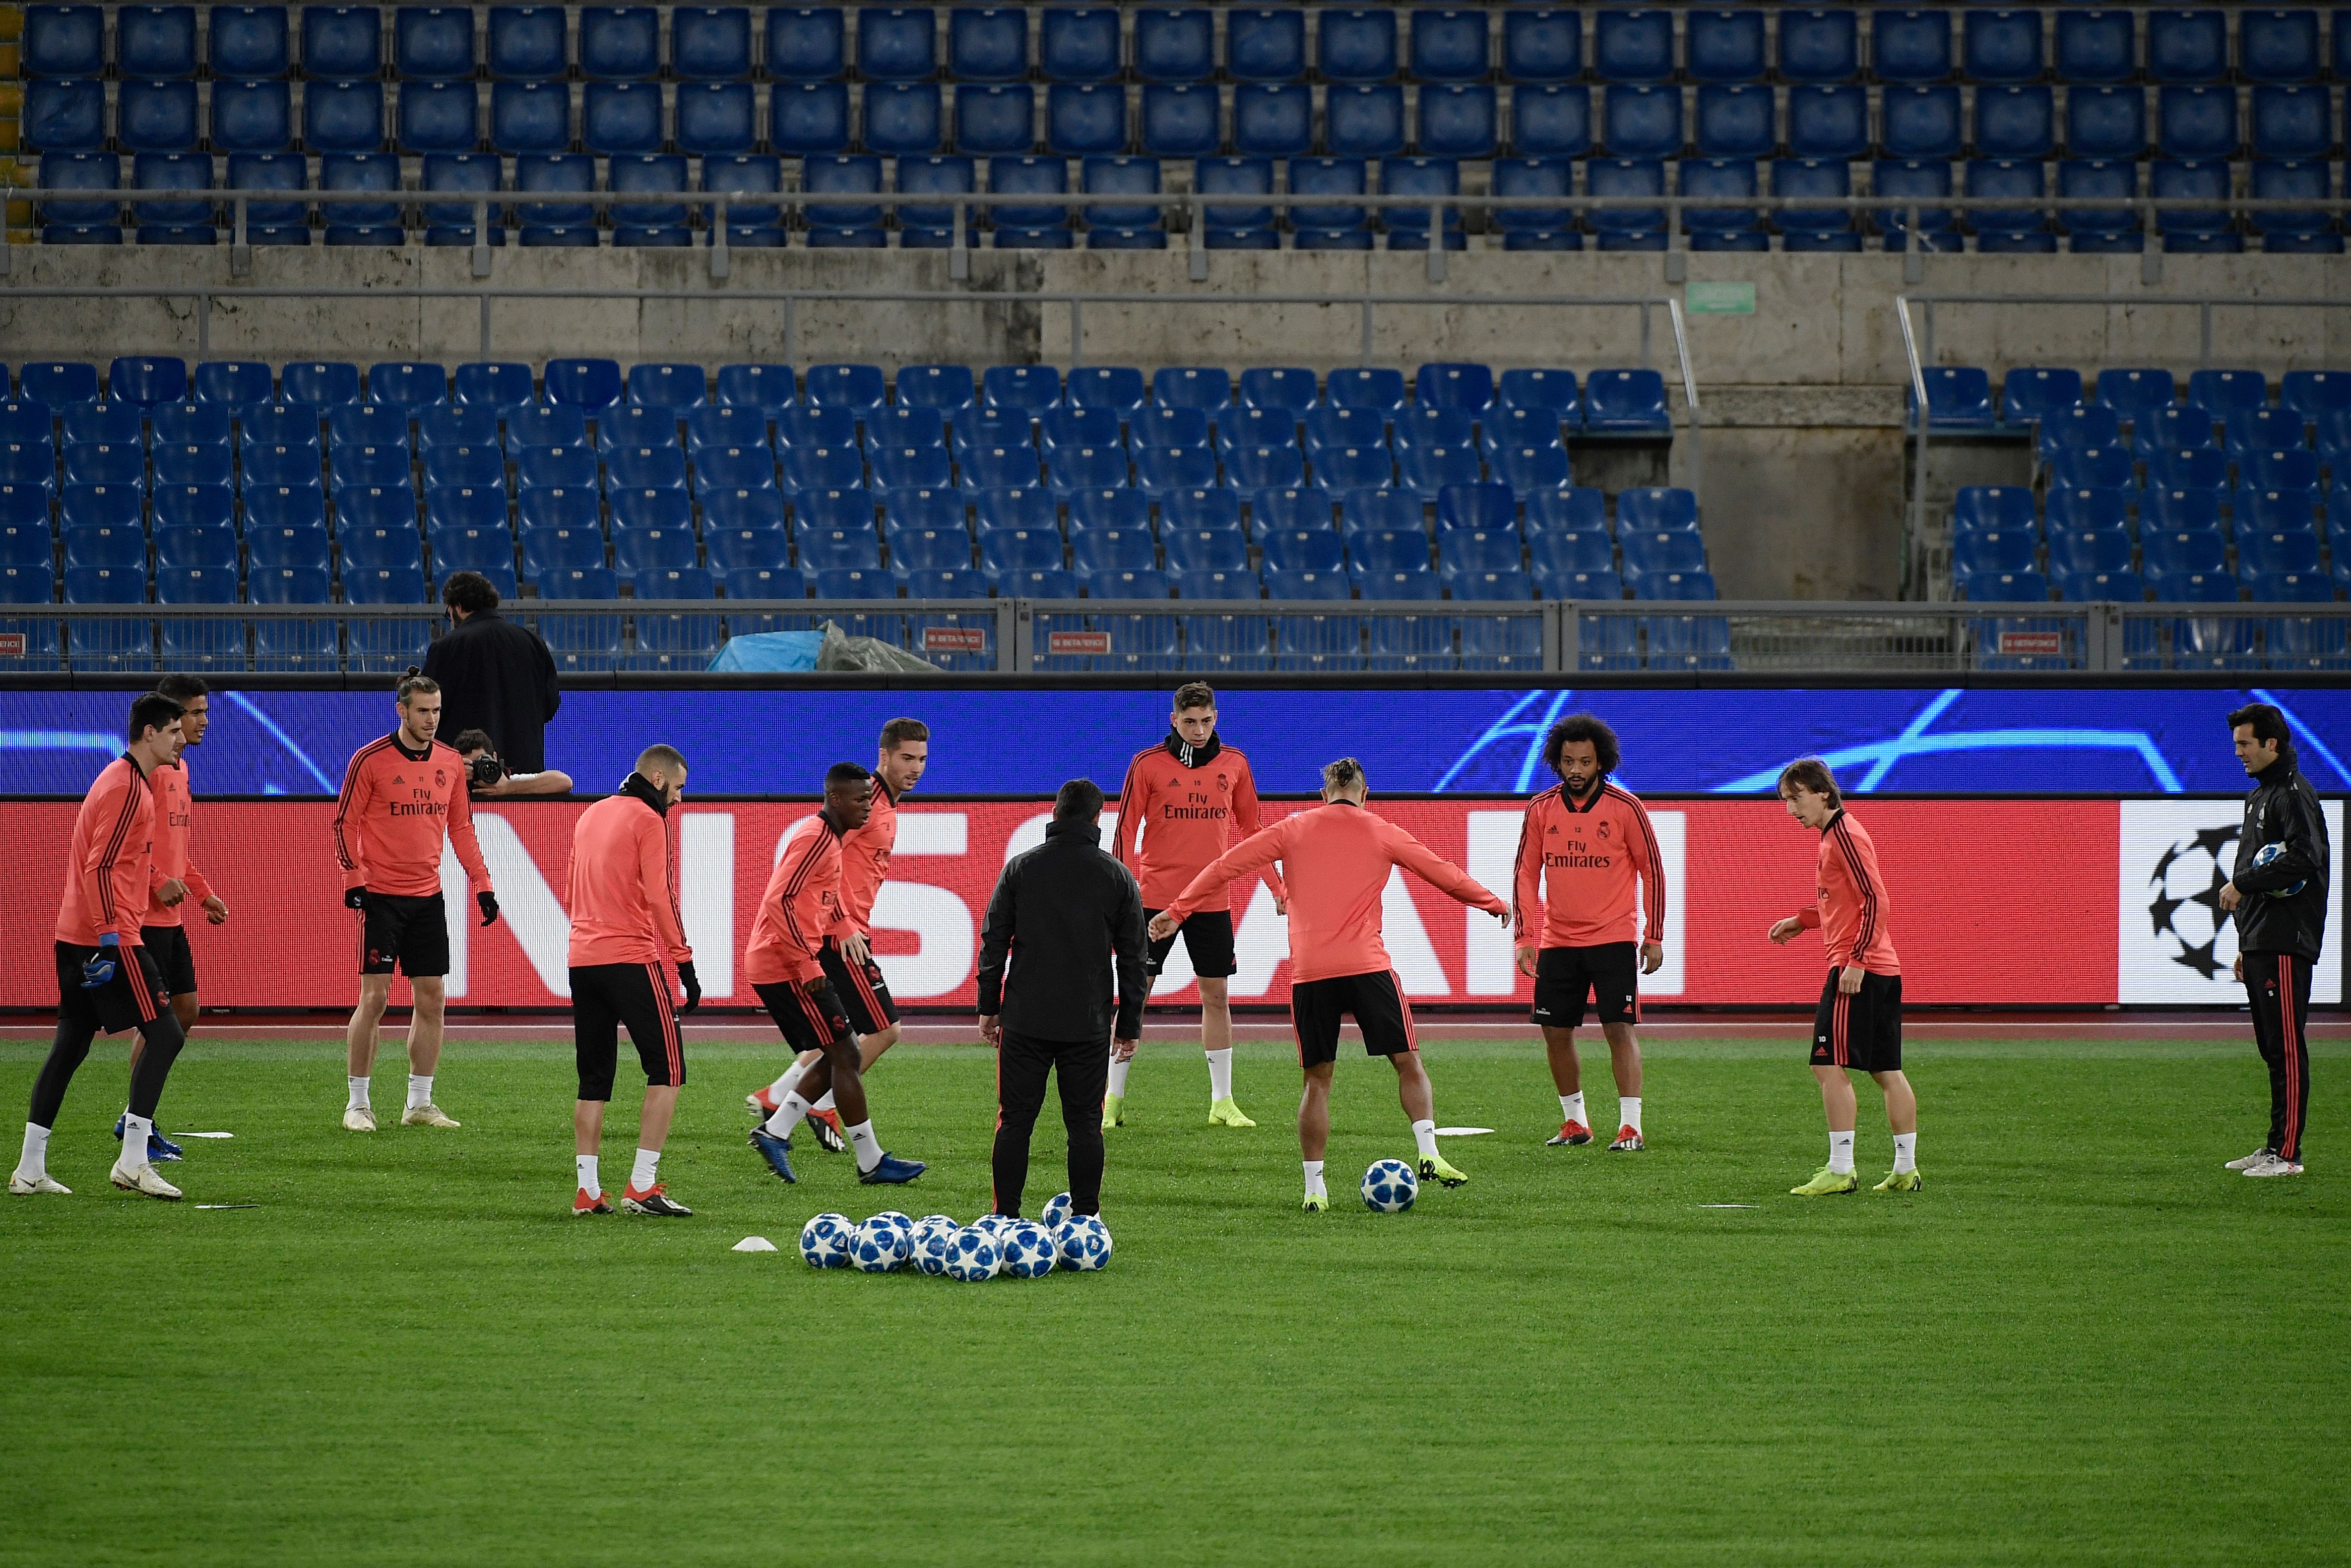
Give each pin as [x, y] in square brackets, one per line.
[2083, 1341]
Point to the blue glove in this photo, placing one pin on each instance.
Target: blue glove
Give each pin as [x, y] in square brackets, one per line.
[99, 971]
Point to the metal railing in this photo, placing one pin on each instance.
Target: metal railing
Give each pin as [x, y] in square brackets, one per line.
[1441, 213]
[1918, 353]
[1301, 638]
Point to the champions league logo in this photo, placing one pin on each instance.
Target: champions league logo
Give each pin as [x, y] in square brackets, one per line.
[2188, 879]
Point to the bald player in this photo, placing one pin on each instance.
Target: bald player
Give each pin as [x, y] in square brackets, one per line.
[1337, 857]
[621, 891]
[848, 956]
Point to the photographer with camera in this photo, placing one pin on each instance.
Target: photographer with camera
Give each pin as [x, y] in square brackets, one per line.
[496, 674]
[486, 775]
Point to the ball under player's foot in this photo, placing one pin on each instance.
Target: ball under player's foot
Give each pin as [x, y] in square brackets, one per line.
[1826, 1183]
[655, 1201]
[1628, 1142]
[1574, 1134]
[427, 1115]
[1432, 1167]
[892, 1171]
[1226, 1113]
[582, 1205]
[359, 1119]
[159, 1147]
[825, 1123]
[1114, 1112]
[28, 1187]
[1900, 1181]
[776, 1151]
[143, 1178]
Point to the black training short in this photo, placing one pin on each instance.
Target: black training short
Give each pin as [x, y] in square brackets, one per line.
[1864, 1030]
[1207, 939]
[864, 994]
[135, 996]
[175, 959]
[1376, 1003]
[395, 928]
[606, 996]
[810, 1015]
[1609, 973]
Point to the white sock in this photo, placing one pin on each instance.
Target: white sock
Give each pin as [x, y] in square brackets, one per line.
[1425, 1135]
[1841, 1153]
[1906, 1151]
[789, 1112]
[589, 1182]
[1628, 1111]
[1118, 1077]
[824, 1101]
[783, 1085]
[34, 1164]
[1571, 1107]
[867, 1146]
[1220, 1074]
[358, 1100]
[420, 1091]
[648, 1166]
[1314, 1187]
[134, 1142]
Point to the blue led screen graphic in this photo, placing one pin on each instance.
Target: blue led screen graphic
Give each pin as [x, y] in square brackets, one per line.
[1467, 741]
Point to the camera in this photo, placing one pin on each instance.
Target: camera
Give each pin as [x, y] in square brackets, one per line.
[485, 770]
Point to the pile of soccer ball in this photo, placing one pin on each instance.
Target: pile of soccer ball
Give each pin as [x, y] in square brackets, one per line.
[991, 1245]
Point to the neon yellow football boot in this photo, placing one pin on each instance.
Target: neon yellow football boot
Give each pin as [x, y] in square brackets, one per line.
[1432, 1167]
[1900, 1181]
[1826, 1183]
[1228, 1114]
[1114, 1112]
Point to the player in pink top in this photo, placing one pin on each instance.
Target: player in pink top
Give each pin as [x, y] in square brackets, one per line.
[1859, 1024]
[1587, 843]
[1337, 860]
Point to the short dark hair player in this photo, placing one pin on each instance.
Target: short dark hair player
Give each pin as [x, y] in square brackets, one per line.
[106, 979]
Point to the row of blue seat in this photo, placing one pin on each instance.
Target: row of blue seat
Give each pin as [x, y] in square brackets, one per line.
[576, 390]
[1960, 396]
[2218, 586]
[2011, 508]
[1091, 44]
[405, 583]
[620, 119]
[2159, 552]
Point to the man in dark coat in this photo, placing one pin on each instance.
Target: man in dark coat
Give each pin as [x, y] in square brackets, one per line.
[1067, 919]
[495, 675]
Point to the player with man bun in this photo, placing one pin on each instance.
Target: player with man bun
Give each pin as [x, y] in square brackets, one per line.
[107, 980]
[1338, 857]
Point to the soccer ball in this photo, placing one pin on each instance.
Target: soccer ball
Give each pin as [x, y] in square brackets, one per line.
[825, 1240]
[880, 1246]
[1056, 1213]
[1028, 1250]
[1083, 1242]
[2263, 857]
[1389, 1186]
[933, 1235]
[992, 1225]
[893, 1217]
[972, 1255]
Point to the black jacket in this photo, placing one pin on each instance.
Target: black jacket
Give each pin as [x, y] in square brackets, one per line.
[1062, 911]
[498, 677]
[2282, 810]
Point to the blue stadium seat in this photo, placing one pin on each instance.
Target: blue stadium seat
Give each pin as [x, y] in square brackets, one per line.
[710, 44]
[1626, 401]
[342, 42]
[1175, 44]
[806, 44]
[2170, 552]
[1633, 45]
[1327, 428]
[1911, 46]
[2003, 46]
[342, 117]
[619, 43]
[1996, 507]
[720, 120]
[1112, 550]
[1180, 120]
[987, 43]
[1023, 226]
[202, 463]
[808, 117]
[362, 222]
[2292, 122]
[1426, 470]
[529, 117]
[2089, 509]
[1724, 45]
[155, 116]
[1492, 509]
[2012, 122]
[1046, 582]
[1819, 46]
[2278, 45]
[1828, 121]
[998, 119]
[2089, 467]
[1736, 122]
[2256, 430]
[2197, 121]
[768, 388]
[188, 423]
[2271, 553]
[2073, 429]
[1078, 43]
[1642, 121]
[2132, 390]
[897, 44]
[2188, 468]
[284, 506]
[726, 425]
[1265, 45]
[618, 118]
[104, 463]
[565, 467]
[2028, 394]
[734, 548]
[1551, 121]
[1121, 510]
[830, 425]
[903, 118]
[2187, 45]
[2095, 45]
[1461, 120]
[778, 581]
[644, 467]
[2284, 509]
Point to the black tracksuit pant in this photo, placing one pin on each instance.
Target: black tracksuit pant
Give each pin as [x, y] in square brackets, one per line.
[2278, 987]
[1083, 1068]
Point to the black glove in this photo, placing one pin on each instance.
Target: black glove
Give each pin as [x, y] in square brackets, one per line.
[693, 986]
[355, 898]
[490, 902]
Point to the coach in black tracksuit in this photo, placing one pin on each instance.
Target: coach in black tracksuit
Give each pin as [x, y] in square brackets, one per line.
[1064, 913]
[2279, 933]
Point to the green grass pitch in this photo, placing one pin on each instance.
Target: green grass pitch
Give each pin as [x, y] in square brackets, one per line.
[2083, 1343]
